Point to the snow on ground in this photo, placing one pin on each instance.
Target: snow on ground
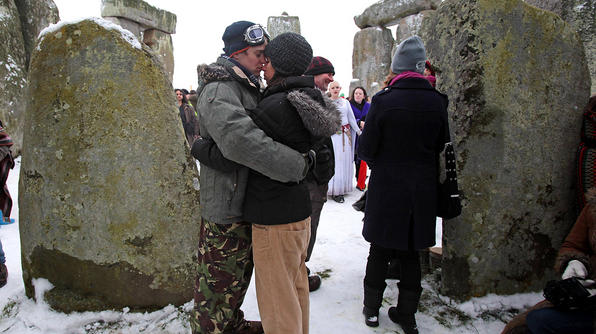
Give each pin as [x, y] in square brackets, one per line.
[339, 254]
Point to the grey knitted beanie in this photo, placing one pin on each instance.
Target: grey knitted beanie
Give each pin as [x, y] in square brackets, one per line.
[410, 56]
[289, 54]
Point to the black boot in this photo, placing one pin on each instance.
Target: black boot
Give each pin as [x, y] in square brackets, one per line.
[372, 303]
[371, 317]
[403, 314]
[314, 281]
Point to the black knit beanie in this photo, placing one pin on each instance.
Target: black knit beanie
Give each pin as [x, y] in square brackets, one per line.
[289, 54]
[319, 65]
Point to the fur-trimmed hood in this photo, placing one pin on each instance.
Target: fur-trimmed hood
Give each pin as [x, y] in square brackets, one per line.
[223, 70]
[213, 72]
[319, 114]
[320, 119]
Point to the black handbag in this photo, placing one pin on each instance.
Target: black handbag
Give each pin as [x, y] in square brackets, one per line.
[449, 203]
[569, 294]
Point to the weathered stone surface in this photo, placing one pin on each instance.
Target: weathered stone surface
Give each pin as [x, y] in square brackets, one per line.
[150, 25]
[388, 12]
[410, 26]
[13, 71]
[581, 15]
[20, 23]
[142, 12]
[517, 85]
[371, 58]
[107, 192]
[35, 15]
[159, 41]
[277, 25]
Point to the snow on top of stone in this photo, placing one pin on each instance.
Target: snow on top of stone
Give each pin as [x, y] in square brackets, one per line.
[126, 35]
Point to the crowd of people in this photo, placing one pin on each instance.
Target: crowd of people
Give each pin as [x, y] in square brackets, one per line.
[272, 152]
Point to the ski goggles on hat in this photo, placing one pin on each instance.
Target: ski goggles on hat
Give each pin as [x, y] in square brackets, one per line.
[255, 35]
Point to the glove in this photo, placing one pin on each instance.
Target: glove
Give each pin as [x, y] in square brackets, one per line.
[323, 155]
[311, 159]
[575, 269]
[322, 171]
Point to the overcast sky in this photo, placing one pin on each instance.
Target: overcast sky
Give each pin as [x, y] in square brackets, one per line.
[327, 25]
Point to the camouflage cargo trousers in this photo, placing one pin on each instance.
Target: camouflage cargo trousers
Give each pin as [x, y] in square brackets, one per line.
[224, 270]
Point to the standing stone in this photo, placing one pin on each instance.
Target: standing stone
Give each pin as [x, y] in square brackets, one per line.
[517, 83]
[13, 71]
[108, 203]
[388, 12]
[20, 23]
[410, 26]
[371, 58]
[151, 25]
[581, 15]
[277, 25]
[35, 15]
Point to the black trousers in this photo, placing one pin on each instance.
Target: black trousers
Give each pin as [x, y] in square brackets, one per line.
[378, 262]
[318, 197]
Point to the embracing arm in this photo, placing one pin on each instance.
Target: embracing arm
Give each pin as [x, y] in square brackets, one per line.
[241, 141]
[208, 154]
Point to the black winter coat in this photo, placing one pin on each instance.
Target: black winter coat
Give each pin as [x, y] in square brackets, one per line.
[294, 114]
[404, 133]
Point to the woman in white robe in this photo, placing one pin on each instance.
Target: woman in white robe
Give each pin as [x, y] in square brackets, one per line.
[343, 147]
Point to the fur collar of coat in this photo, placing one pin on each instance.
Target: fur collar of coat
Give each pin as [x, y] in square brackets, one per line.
[320, 119]
[318, 113]
[223, 70]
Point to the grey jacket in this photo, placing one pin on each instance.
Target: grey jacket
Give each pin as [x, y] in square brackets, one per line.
[225, 93]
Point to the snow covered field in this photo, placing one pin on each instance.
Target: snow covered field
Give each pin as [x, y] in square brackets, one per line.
[340, 254]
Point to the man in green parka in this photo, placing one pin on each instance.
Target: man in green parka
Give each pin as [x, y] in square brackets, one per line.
[226, 89]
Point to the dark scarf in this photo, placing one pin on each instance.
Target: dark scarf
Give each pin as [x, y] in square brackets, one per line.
[360, 106]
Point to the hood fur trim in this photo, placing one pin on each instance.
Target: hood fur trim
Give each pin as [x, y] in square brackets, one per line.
[213, 72]
[319, 120]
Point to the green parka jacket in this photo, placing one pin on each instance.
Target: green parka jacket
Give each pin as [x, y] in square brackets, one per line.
[225, 92]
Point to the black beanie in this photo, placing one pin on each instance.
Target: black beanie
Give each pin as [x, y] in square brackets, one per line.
[233, 37]
[319, 65]
[289, 54]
